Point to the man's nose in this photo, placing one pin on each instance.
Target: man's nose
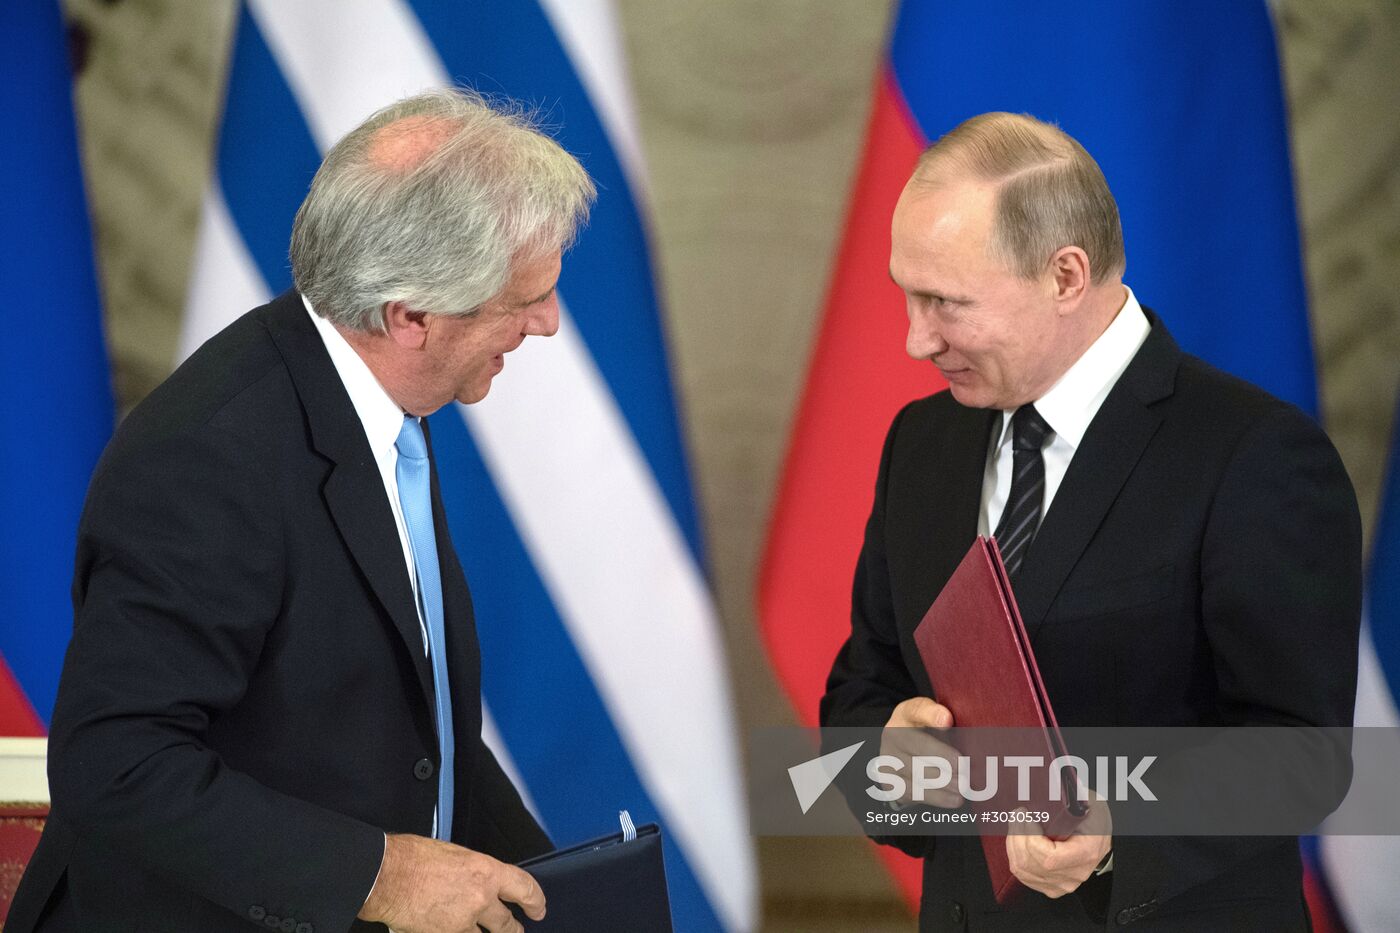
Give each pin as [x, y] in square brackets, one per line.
[542, 320]
[924, 340]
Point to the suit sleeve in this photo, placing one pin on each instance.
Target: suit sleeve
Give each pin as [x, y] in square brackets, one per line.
[1280, 605]
[179, 577]
[869, 678]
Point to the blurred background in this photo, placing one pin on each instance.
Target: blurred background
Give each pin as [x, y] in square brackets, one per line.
[752, 115]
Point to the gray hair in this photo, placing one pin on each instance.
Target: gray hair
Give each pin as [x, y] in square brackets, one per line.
[438, 231]
[1051, 192]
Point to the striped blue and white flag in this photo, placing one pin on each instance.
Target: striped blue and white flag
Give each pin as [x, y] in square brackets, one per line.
[567, 490]
[1362, 870]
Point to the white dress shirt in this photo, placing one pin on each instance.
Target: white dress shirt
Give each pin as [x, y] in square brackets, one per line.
[1068, 407]
[382, 419]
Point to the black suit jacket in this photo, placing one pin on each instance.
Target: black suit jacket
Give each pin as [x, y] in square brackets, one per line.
[1199, 565]
[245, 706]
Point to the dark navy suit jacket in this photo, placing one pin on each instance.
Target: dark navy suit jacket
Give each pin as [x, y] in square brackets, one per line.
[1199, 565]
[246, 707]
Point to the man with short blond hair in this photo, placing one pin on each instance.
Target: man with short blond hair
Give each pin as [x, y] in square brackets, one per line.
[1050, 191]
[1184, 548]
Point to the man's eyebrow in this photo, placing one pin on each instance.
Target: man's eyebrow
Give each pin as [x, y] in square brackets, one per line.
[931, 293]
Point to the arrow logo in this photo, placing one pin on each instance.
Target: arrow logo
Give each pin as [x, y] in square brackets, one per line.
[811, 778]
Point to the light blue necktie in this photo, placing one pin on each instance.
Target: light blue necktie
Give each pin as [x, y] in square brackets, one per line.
[415, 496]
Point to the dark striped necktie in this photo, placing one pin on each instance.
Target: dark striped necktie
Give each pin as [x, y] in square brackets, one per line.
[1021, 517]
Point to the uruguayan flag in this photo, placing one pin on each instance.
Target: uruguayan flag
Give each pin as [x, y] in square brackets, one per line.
[567, 489]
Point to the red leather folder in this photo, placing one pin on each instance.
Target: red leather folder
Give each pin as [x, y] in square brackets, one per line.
[980, 663]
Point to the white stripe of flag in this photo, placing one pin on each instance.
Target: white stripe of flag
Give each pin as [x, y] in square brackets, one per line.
[1362, 870]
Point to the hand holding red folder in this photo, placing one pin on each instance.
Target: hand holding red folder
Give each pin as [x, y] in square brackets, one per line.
[979, 660]
[1052, 866]
[910, 732]
[1056, 867]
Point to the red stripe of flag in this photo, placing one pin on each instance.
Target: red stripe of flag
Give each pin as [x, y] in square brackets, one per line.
[858, 379]
[17, 716]
[1320, 906]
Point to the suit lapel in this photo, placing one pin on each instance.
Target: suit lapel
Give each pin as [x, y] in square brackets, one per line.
[459, 617]
[354, 490]
[950, 457]
[1110, 450]
[958, 488]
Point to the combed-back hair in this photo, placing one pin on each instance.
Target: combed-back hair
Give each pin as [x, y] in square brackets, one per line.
[1051, 193]
[431, 201]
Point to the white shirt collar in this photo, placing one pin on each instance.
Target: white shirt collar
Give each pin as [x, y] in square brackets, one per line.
[1071, 403]
[381, 416]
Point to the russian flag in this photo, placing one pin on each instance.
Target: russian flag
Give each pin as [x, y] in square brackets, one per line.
[567, 490]
[1362, 870]
[58, 409]
[1182, 105]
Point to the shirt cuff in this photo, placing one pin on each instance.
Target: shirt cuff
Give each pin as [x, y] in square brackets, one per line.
[378, 873]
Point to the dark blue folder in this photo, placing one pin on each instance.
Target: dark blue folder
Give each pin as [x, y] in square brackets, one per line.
[613, 884]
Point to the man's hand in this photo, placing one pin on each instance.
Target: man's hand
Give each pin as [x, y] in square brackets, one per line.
[1059, 868]
[906, 737]
[428, 886]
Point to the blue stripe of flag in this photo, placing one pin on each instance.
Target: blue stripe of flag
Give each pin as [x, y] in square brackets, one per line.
[546, 706]
[508, 47]
[266, 156]
[1182, 105]
[58, 409]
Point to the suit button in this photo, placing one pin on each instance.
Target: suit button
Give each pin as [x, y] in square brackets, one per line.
[305, 928]
[289, 925]
[957, 913]
[423, 769]
[256, 913]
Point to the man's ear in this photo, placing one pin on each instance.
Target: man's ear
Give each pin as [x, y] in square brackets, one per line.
[1070, 277]
[406, 327]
